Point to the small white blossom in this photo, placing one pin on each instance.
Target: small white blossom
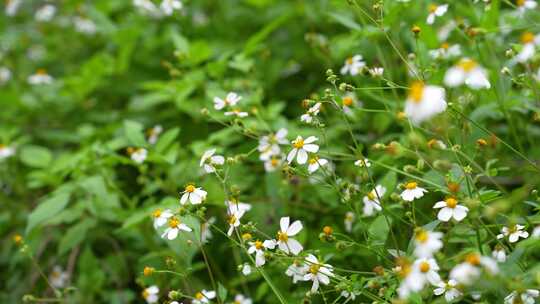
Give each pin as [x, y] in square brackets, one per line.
[529, 42]
[446, 51]
[297, 271]
[450, 209]
[84, 25]
[269, 144]
[353, 65]
[206, 232]
[317, 272]
[58, 278]
[230, 100]
[284, 240]
[138, 155]
[524, 5]
[258, 248]
[301, 148]
[195, 195]
[311, 113]
[204, 297]
[246, 269]
[363, 163]
[169, 6]
[467, 272]
[237, 113]
[174, 227]
[412, 192]
[5, 75]
[6, 151]
[527, 297]
[449, 289]
[427, 243]
[348, 221]
[499, 254]
[233, 219]
[422, 271]
[376, 71]
[273, 164]
[209, 161]
[241, 299]
[151, 294]
[513, 233]
[40, 77]
[424, 102]
[314, 163]
[45, 13]
[371, 201]
[12, 6]
[161, 217]
[153, 134]
[436, 11]
[468, 72]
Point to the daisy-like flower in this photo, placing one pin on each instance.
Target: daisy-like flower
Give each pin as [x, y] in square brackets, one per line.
[206, 232]
[363, 163]
[204, 296]
[169, 6]
[58, 277]
[524, 5]
[5, 75]
[6, 151]
[161, 217]
[269, 144]
[12, 6]
[273, 164]
[297, 271]
[230, 100]
[195, 195]
[348, 102]
[241, 299]
[45, 13]
[40, 77]
[153, 134]
[371, 200]
[258, 248]
[353, 65]
[317, 272]
[233, 205]
[284, 240]
[237, 113]
[513, 233]
[376, 71]
[468, 72]
[348, 221]
[314, 163]
[526, 297]
[449, 289]
[427, 243]
[246, 269]
[147, 7]
[301, 148]
[175, 226]
[151, 294]
[468, 271]
[350, 295]
[436, 11]
[446, 51]
[137, 155]
[234, 220]
[209, 161]
[421, 272]
[529, 42]
[311, 113]
[84, 25]
[424, 102]
[450, 209]
[499, 254]
[412, 192]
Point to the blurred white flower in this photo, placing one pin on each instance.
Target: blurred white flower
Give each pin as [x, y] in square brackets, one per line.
[499, 254]
[147, 7]
[467, 272]
[258, 248]
[241, 299]
[174, 227]
[446, 51]
[40, 77]
[6, 151]
[204, 297]
[314, 163]
[45, 13]
[376, 71]
[424, 102]
[427, 243]
[58, 278]
[150, 294]
[301, 148]
[535, 233]
[5, 75]
[412, 192]
[422, 271]
[246, 269]
[317, 272]
[84, 25]
[450, 209]
[436, 11]
[153, 134]
[12, 6]
[273, 164]
[138, 155]
[237, 113]
[206, 232]
[161, 217]
[529, 42]
[297, 271]
[363, 163]
[269, 144]
[371, 200]
[526, 297]
[513, 233]
[283, 240]
[353, 65]
[348, 221]
[449, 289]
[209, 161]
[195, 195]
[169, 6]
[233, 219]
[524, 5]
[311, 113]
[469, 72]
[348, 102]
[230, 100]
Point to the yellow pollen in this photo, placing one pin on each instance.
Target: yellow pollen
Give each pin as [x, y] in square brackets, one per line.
[299, 143]
[41, 72]
[527, 37]
[314, 268]
[199, 296]
[424, 267]
[417, 91]
[145, 293]
[157, 213]
[473, 259]
[174, 222]
[422, 236]
[371, 195]
[347, 101]
[411, 185]
[258, 245]
[467, 65]
[282, 236]
[190, 188]
[432, 8]
[445, 45]
[451, 202]
[520, 2]
[328, 230]
[274, 162]
[349, 60]
[232, 219]
[313, 160]
[246, 236]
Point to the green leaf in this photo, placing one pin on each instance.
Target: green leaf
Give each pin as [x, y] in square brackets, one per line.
[36, 156]
[75, 235]
[378, 231]
[346, 21]
[134, 133]
[166, 139]
[222, 292]
[47, 209]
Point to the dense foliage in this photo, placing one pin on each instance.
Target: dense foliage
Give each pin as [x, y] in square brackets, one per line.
[269, 151]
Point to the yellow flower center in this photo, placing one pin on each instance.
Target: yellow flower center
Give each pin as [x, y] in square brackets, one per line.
[157, 213]
[520, 2]
[282, 236]
[274, 162]
[527, 37]
[314, 268]
[246, 236]
[451, 202]
[411, 185]
[174, 222]
[232, 219]
[422, 236]
[371, 195]
[432, 8]
[347, 101]
[349, 60]
[424, 267]
[41, 72]
[327, 230]
[473, 259]
[190, 188]
[258, 245]
[299, 143]
[445, 45]
[417, 91]
[313, 160]
[199, 296]
[467, 64]
[145, 293]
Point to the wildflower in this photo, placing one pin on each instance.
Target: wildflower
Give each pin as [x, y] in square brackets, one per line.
[153, 134]
[148, 271]
[283, 239]
[529, 42]
[237, 113]
[427, 243]
[84, 25]
[315, 162]
[350, 295]
[234, 220]
[513, 233]
[258, 248]
[58, 277]
[536, 232]
[349, 220]
[435, 143]
[499, 254]
[169, 6]
[523, 5]
[241, 299]
[412, 192]
[526, 297]
[17, 239]
[424, 102]
[317, 272]
[5, 75]
[422, 271]
[246, 269]
[449, 289]
[138, 155]
[203, 297]
[311, 113]
[470, 269]
[161, 217]
[206, 232]
[372, 202]
[45, 13]
[297, 271]
[40, 77]
[150, 294]
[301, 148]
[230, 100]
[363, 163]
[195, 195]
[147, 7]
[12, 6]
[233, 205]
[269, 144]
[436, 11]
[469, 72]
[376, 71]
[6, 151]
[353, 65]
[450, 208]
[348, 102]
[272, 164]
[446, 51]
[175, 226]
[209, 161]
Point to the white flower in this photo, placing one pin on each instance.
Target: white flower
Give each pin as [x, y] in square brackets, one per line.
[84, 25]
[209, 161]
[535, 233]
[150, 294]
[499, 254]
[315, 162]
[317, 272]
[427, 243]
[58, 277]
[301, 148]
[175, 226]
[422, 271]
[450, 209]
[436, 11]
[467, 272]
[12, 6]
[350, 295]
[449, 289]
[153, 134]
[424, 102]
[297, 271]
[348, 102]
[513, 233]
[371, 200]
[527, 297]
[446, 51]
[138, 155]
[376, 71]
[469, 72]
[348, 221]
[353, 65]
[203, 297]
[524, 5]
[529, 42]
[45, 13]
[5, 75]
[311, 113]
[230, 100]
[258, 248]
[272, 164]
[269, 144]
[161, 217]
[285, 243]
[233, 219]
[40, 77]
[363, 163]
[246, 269]
[147, 7]
[237, 113]
[6, 151]
[206, 232]
[241, 299]
[195, 195]
[169, 6]
[233, 205]
[412, 192]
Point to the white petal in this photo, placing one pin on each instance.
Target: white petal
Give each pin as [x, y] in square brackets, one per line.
[284, 223]
[460, 213]
[440, 204]
[294, 246]
[291, 155]
[173, 233]
[445, 214]
[454, 77]
[302, 157]
[294, 228]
